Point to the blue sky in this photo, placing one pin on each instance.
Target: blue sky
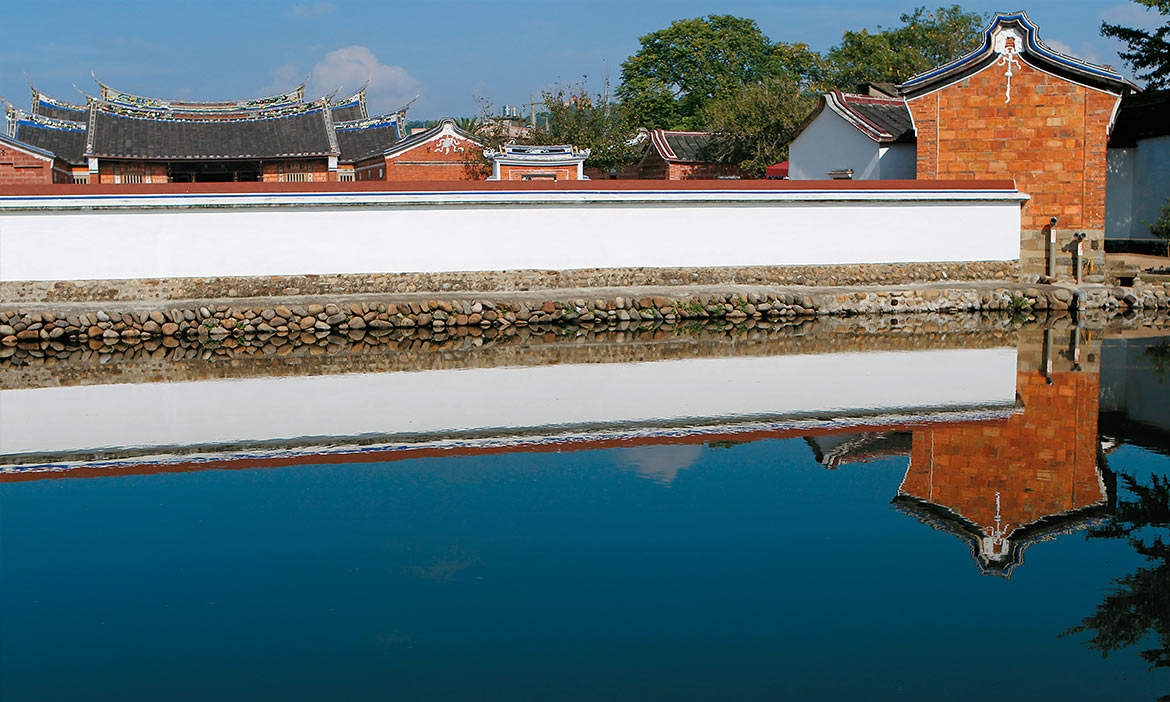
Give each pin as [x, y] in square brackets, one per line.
[446, 53]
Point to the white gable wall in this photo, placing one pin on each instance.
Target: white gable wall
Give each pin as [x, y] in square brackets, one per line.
[830, 143]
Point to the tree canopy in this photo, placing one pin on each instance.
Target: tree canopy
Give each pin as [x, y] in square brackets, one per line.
[1149, 51]
[680, 69]
[925, 40]
[755, 124]
[591, 122]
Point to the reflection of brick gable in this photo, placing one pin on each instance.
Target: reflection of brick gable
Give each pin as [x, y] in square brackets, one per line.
[1041, 462]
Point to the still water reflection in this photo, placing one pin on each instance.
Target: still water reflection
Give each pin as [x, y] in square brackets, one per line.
[827, 513]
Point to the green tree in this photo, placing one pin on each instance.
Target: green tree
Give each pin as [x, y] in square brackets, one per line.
[592, 122]
[925, 40]
[1149, 51]
[755, 124]
[680, 69]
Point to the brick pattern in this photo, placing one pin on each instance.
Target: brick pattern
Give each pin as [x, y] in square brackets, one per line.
[654, 167]
[19, 168]
[1050, 138]
[534, 172]
[1041, 462]
[429, 161]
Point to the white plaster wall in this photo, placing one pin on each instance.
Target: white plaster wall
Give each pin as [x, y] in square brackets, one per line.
[52, 420]
[830, 143]
[898, 162]
[1119, 165]
[793, 228]
[1151, 184]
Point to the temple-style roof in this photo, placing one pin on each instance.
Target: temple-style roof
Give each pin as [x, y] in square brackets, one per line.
[351, 108]
[118, 97]
[528, 153]
[64, 139]
[361, 139]
[1016, 35]
[46, 106]
[304, 133]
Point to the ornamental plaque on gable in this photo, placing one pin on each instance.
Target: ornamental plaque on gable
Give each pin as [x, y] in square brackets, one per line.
[448, 145]
[1007, 42]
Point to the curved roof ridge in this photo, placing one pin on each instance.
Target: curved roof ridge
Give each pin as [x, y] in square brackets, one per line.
[1033, 46]
[112, 95]
[276, 112]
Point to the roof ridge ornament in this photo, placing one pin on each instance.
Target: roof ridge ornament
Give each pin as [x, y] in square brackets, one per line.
[1005, 43]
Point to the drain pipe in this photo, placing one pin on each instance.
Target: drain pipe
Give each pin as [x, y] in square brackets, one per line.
[1050, 268]
[1078, 255]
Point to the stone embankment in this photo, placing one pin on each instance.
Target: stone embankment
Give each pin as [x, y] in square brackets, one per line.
[111, 322]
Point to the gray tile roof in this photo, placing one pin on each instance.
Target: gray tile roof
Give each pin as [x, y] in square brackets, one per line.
[361, 142]
[66, 144]
[297, 135]
[47, 109]
[687, 147]
[890, 116]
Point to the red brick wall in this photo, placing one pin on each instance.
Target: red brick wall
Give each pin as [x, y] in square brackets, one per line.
[1042, 461]
[271, 171]
[1051, 138]
[654, 167]
[518, 172]
[19, 168]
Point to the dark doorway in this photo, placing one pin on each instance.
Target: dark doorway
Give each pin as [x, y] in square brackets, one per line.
[217, 172]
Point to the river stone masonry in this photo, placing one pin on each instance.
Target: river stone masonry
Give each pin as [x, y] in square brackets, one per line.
[112, 322]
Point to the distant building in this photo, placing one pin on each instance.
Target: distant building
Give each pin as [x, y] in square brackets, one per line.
[443, 152]
[523, 162]
[121, 138]
[1013, 108]
[854, 137]
[674, 155]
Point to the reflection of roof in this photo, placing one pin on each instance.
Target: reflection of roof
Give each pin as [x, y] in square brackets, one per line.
[840, 449]
[1032, 51]
[1000, 554]
[113, 135]
[1141, 116]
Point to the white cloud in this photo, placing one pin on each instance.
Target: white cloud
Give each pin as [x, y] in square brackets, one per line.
[307, 11]
[1132, 15]
[390, 86]
[1085, 52]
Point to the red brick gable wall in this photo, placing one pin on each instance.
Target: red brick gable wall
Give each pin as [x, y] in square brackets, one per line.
[457, 159]
[20, 168]
[509, 172]
[1050, 138]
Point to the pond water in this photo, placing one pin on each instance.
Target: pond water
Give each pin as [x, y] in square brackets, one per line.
[826, 511]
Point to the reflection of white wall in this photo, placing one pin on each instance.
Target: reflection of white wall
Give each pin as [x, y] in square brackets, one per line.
[1137, 185]
[561, 230]
[830, 143]
[500, 399]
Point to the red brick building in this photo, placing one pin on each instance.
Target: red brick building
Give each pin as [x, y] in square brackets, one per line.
[516, 162]
[1017, 108]
[443, 152]
[121, 138]
[684, 156]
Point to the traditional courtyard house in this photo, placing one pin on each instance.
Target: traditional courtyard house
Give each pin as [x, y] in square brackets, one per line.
[684, 156]
[1139, 166]
[854, 137]
[1016, 108]
[121, 138]
[1002, 487]
[517, 162]
[443, 152]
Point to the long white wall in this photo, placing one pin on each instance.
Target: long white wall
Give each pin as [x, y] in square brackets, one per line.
[121, 237]
[502, 400]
